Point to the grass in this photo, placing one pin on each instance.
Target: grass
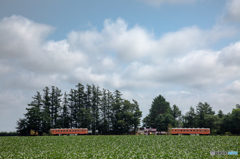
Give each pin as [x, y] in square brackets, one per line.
[117, 146]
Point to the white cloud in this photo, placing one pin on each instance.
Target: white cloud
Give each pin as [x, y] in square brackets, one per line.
[233, 11]
[230, 55]
[233, 88]
[16, 33]
[178, 65]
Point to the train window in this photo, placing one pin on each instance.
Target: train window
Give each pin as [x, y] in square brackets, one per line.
[69, 130]
[190, 130]
[78, 130]
[197, 130]
[187, 130]
[193, 130]
[75, 130]
[181, 130]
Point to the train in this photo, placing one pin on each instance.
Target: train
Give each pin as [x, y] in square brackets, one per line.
[189, 131]
[72, 131]
[78, 131]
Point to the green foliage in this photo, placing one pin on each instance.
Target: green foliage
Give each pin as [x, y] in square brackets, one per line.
[159, 106]
[160, 115]
[112, 146]
[13, 133]
[92, 109]
[228, 133]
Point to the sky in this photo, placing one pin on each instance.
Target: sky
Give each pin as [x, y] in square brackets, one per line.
[185, 50]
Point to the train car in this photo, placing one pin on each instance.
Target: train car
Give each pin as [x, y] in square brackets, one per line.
[78, 131]
[189, 131]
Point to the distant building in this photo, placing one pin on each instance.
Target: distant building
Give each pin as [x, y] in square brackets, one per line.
[149, 131]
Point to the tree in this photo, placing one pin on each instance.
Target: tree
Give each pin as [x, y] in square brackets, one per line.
[160, 122]
[55, 98]
[190, 118]
[65, 112]
[88, 108]
[220, 114]
[79, 106]
[33, 115]
[96, 93]
[236, 121]
[237, 106]
[226, 125]
[116, 110]
[46, 118]
[159, 106]
[109, 111]
[176, 113]
[103, 108]
[22, 126]
[202, 110]
[137, 114]
[73, 108]
[213, 122]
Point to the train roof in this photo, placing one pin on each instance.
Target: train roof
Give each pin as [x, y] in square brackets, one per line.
[190, 128]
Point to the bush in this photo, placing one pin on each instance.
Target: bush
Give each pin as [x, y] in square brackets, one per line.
[228, 134]
[9, 133]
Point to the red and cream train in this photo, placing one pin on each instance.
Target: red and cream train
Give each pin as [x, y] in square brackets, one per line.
[189, 131]
[78, 131]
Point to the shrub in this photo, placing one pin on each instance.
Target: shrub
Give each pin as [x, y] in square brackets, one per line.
[228, 133]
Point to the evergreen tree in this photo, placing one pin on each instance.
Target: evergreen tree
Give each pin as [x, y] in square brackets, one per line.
[109, 111]
[88, 108]
[22, 127]
[96, 93]
[116, 110]
[190, 120]
[236, 121]
[202, 111]
[34, 115]
[65, 112]
[73, 108]
[46, 118]
[137, 114]
[57, 107]
[80, 94]
[104, 124]
[220, 114]
[159, 106]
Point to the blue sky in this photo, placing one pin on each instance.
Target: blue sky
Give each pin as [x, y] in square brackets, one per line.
[186, 50]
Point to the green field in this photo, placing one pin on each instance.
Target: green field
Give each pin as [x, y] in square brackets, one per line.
[117, 146]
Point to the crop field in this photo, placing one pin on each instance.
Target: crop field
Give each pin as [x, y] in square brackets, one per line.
[118, 146]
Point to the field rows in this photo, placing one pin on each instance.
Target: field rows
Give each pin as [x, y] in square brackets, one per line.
[117, 146]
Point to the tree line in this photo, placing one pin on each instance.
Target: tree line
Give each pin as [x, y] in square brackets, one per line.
[84, 107]
[162, 115]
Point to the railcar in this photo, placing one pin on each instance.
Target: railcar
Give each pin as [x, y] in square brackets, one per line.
[78, 131]
[189, 131]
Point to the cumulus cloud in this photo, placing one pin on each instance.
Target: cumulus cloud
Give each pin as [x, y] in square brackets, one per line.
[233, 11]
[16, 33]
[230, 55]
[233, 88]
[178, 64]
